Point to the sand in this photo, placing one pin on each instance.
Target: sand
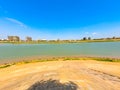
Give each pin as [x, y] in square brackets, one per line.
[87, 75]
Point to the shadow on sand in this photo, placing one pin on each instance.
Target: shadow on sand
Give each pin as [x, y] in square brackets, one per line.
[53, 85]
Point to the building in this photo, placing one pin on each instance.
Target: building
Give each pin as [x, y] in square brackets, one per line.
[13, 38]
[28, 39]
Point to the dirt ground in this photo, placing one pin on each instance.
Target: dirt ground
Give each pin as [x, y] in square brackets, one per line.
[87, 75]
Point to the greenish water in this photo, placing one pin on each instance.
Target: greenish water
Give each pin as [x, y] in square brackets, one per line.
[11, 51]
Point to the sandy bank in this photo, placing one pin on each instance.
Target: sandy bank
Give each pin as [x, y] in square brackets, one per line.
[87, 75]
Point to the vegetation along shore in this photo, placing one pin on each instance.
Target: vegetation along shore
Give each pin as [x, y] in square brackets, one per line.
[46, 59]
[28, 40]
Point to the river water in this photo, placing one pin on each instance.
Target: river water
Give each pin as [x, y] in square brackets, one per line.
[104, 49]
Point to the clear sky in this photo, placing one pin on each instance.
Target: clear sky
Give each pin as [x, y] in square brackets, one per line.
[63, 19]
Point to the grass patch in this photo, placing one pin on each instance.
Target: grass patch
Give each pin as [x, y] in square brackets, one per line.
[107, 59]
[5, 66]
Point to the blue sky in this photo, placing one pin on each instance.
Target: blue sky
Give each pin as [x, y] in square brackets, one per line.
[63, 19]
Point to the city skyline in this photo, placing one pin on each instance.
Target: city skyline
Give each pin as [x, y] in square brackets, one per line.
[51, 19]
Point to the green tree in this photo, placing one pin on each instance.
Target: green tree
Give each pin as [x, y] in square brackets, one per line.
[84, 38]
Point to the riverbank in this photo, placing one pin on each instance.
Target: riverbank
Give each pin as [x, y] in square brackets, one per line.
[85, 74]
[49, 58]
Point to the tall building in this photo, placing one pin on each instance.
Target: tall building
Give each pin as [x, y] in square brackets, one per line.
[13, 38]
[28, 39]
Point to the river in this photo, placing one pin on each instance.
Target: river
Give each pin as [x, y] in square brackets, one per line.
[102, 49]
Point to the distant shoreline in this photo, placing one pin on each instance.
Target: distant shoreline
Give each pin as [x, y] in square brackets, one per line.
[59, 42]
